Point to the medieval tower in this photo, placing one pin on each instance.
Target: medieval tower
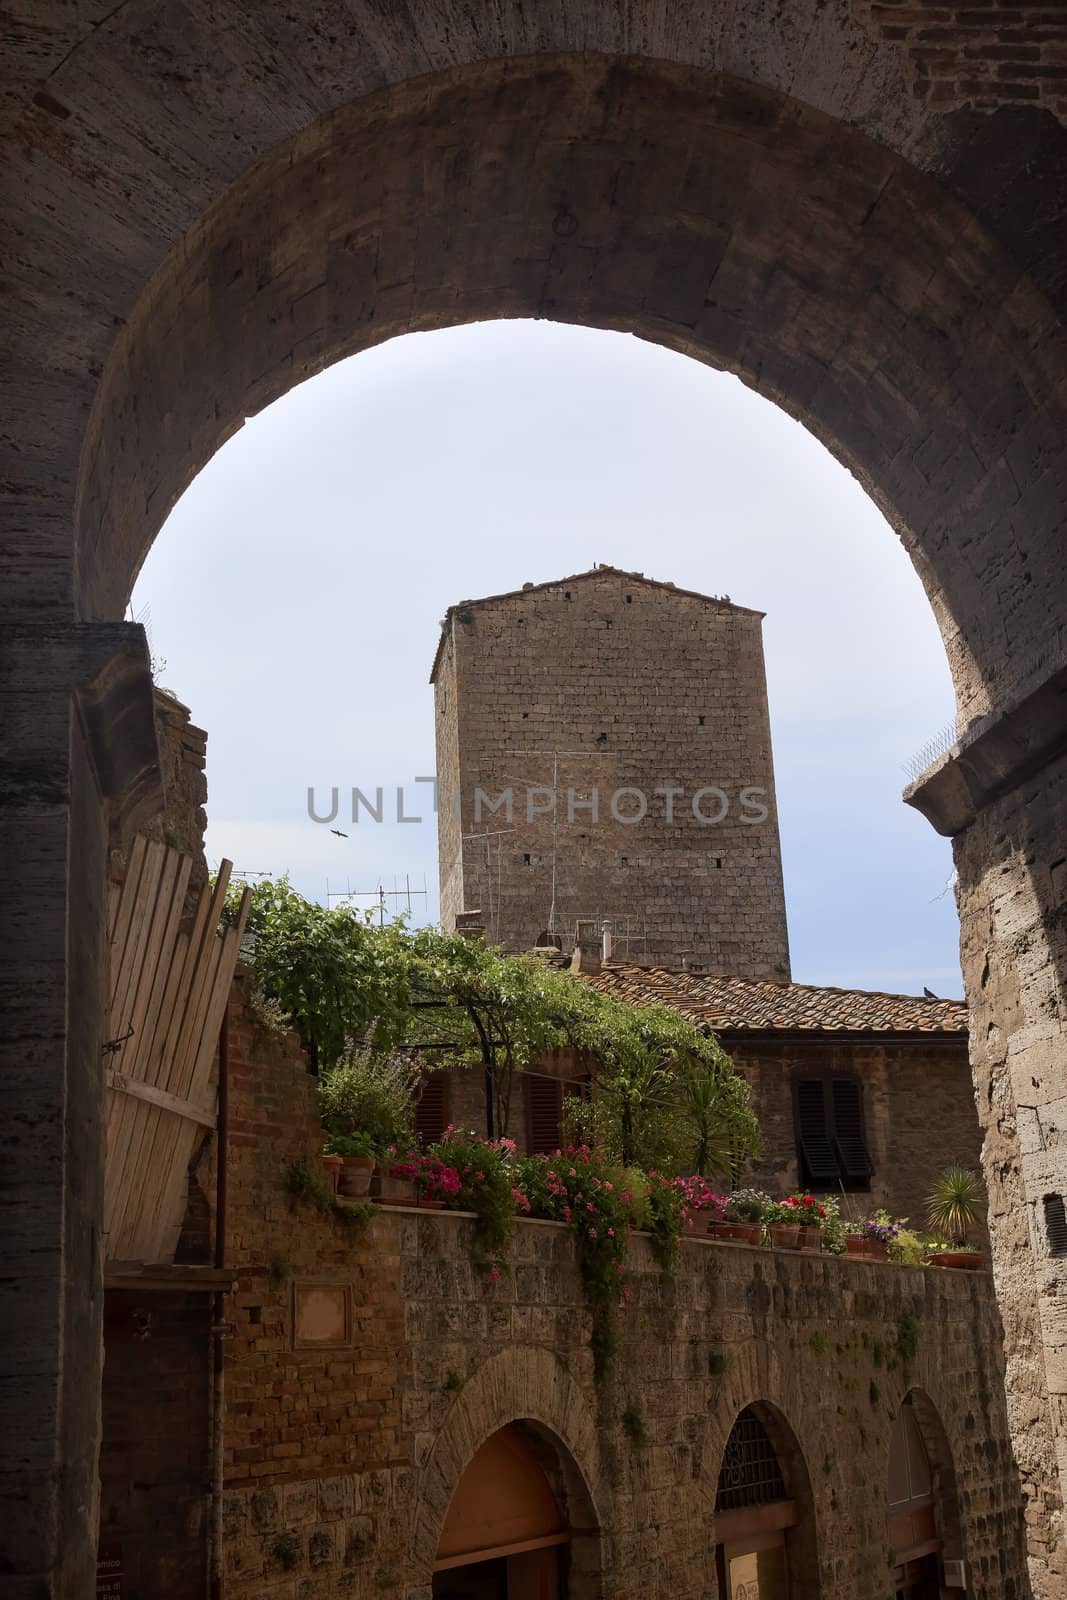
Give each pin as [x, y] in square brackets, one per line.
[605, 774]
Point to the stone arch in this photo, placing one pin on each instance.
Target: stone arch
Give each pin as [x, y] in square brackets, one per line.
[529, 1385]
[719, 218]
[804, 1581]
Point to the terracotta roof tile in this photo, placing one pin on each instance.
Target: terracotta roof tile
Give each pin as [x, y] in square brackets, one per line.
[746, 1003]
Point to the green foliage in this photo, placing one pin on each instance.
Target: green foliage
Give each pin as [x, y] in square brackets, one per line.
[832, 1225]
[486, 1187]
[746, 1205]
[818, 1342]
[907, 1340]
[279, 1273]
[633, 1424]
[907, 1248]
[308, 1185]
[453, 1382]
[361, 1143]
[665, 1223]
[371, 1098]
[667, 1096]
[354, 1216]
[341, 980]
[955, 1203]
[873, 1393]
[719, 1363]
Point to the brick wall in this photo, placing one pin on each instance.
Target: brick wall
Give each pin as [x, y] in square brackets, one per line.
[340, 1462]
[604, 683]
[978, 55]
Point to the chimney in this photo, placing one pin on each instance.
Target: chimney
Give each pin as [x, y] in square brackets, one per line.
[605, 943]
[469, 925]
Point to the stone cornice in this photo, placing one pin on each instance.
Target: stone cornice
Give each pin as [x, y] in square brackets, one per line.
[992, 758]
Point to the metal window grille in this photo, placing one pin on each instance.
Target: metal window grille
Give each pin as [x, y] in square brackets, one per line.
[750, 1474]
[1055, 1225]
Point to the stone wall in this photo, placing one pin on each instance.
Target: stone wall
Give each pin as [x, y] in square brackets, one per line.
[918, 1108]
[340, 1462]
[1012, 864]
[599, 691]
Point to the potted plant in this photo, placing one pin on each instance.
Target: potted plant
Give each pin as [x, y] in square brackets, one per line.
[872, 1237]
[809, 1216]
[332, 1164]
[355, 1155]
[783, 1225]
[742, 1217]
[955, 1205]
[367, 1104]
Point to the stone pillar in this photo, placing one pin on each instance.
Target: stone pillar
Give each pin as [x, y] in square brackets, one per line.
[1001, 794]
[78, 759]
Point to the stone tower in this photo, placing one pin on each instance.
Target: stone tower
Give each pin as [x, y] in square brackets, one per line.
[604, 766]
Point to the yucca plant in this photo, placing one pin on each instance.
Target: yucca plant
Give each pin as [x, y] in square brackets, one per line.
[955, 1203]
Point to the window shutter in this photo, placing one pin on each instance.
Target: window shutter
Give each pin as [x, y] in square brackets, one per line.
[431, 1108]
[1055, 1224]
[544, 1109]
[849, 1143]
[813, 1132]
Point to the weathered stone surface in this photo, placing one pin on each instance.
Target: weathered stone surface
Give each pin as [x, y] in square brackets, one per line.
[663, 822]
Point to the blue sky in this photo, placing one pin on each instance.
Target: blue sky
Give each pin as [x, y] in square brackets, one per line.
[296, 590]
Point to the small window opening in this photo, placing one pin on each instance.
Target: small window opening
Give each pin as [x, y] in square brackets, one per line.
[1055, 1225]
[718, 862]
[566, 594]
[255, 1313]
[525, 715]
[526, 860]
[700, 720]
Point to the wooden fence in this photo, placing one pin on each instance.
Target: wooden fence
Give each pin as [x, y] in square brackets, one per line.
[168, 992]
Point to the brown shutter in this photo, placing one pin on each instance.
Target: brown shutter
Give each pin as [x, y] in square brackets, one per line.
[544, 1107]
[818, 1164]
[851, 1146]
[431, 1108]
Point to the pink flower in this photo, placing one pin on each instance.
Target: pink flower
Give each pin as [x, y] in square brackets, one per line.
[494, 1276]
[592, 1233]
[611, 1233]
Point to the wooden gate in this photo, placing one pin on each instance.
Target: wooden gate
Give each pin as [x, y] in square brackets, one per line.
[168, 994]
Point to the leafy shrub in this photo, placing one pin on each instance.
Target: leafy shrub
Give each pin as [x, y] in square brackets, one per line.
[370, 1096]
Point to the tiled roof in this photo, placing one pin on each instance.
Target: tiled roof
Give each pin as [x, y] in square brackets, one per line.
[578, 577]
[733, 1004]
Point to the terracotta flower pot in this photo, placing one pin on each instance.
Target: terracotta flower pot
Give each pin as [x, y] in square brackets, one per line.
[355, 1177]
[877, 1249]
[967, 1260]
[810, 1238]
[332, 1166]
[740, 1232]
[785, 1235]
[395, 1191]
[855, 1244]
[429, 1202]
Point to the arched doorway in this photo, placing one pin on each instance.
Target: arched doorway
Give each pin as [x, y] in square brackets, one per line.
[763, 1536]
[508, 1531]
[922, 1540]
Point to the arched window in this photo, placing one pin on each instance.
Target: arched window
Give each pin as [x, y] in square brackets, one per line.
[753, 1513]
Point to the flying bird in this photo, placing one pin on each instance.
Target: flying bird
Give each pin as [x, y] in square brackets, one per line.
[339, 834]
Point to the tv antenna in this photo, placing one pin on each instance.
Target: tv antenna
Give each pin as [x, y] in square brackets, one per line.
[379, 895]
